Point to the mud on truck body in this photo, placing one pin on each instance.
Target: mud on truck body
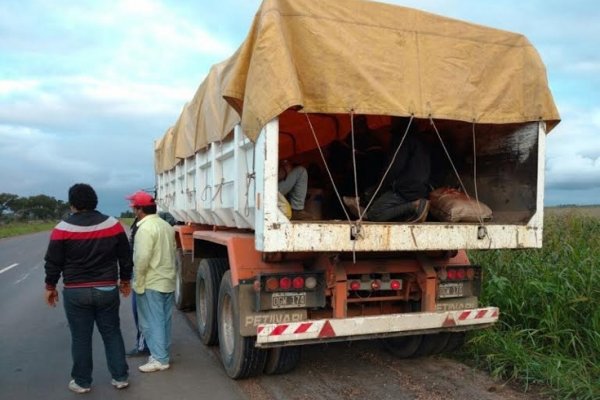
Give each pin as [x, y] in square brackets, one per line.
[263, 284]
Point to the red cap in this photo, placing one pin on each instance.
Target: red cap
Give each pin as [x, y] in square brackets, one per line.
[140, 199]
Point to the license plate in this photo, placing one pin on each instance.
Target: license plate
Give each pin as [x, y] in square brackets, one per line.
[451, 290]
[288, 300]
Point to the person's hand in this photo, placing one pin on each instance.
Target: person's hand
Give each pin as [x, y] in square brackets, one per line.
[51, 297]
[125, 288]
[284, 169]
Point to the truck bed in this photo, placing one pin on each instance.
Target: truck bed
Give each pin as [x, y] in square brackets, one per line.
[233, 184]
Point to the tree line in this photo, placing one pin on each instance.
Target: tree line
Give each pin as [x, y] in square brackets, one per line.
[39, 207]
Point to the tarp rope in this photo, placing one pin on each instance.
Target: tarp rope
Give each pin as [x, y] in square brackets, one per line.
[482, 231]
[362, 214]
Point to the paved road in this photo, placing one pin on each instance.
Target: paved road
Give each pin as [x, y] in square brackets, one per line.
[35, 358]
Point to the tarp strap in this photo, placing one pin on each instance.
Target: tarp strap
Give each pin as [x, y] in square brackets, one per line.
[249, 178]
[362, 214]
[355, 226]
[462, 185]
[475, 179]
[337, 193]
[482, 231]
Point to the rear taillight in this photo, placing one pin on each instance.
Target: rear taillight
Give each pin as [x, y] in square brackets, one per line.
[367, 283]
[355, 285]
[298, 282]
[442, 274]
[285, 283]
[310, 282]
[272, 284]
[470, 274]
[282, 283]
[455, 273]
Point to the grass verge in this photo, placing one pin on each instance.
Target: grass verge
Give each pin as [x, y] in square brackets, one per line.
[549, 299]
[23, 228]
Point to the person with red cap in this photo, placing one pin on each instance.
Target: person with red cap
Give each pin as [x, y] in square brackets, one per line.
[154, 279]
[141, 348]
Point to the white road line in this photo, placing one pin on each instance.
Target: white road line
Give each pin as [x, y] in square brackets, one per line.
[22, 279]
[3, 270]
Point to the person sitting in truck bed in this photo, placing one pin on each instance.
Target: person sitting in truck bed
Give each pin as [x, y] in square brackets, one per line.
[404, 192]
[369, 157]
[293, 184]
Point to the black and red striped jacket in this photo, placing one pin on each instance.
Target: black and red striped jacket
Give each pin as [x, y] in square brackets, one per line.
[89, 249]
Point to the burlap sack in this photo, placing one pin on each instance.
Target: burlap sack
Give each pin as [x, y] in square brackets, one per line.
[452, 205]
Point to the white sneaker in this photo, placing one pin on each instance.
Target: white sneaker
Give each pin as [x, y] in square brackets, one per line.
[119, 384]
[153, 365]
[74, 387]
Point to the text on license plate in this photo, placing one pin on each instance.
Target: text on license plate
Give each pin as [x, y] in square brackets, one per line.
[451, 290]
[288, 300]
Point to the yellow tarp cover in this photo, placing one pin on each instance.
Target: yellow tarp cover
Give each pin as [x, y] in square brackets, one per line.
[334, 56]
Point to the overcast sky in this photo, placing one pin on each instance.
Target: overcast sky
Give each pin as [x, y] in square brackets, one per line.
[86, 86]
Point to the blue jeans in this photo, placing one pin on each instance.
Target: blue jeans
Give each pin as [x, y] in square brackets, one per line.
[140, 341]
[83, 307]
[154, 316]
[294, 187]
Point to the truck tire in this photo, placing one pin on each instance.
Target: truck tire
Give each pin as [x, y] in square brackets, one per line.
[455, 342]
[432, 344]
[208, 281]
[184, 291]
[281, 360]
[239, 355]
[403, 346]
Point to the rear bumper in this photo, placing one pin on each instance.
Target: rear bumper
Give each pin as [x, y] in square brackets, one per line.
[357, 328]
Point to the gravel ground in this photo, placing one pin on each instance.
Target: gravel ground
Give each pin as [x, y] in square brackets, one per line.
[365, 370]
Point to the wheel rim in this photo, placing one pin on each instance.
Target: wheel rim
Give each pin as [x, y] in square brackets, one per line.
[201, 306]
[227, 326]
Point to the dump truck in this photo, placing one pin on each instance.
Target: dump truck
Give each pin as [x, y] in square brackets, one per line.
[263, 283]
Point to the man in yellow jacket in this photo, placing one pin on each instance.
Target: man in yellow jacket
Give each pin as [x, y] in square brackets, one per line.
[154, 279]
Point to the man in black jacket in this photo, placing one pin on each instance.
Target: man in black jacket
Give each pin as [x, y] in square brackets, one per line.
[91, 252]
[404, 192]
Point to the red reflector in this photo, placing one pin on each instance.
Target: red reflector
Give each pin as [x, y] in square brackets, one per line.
[375, 285]
[298, 282]
[395, 285]
[285, 283]
[451, 274]
[460, 274]
[355, 285]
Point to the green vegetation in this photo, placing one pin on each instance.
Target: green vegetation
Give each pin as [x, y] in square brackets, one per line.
[22, 228]
[126, 221]
[549, 300]
[40, 207]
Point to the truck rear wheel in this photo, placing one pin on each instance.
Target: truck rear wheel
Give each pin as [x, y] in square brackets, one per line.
[403, 346]
[455, 342]
[184, 291]
[281, 360]
[208, 281]
[239, 355]
[432, 344]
